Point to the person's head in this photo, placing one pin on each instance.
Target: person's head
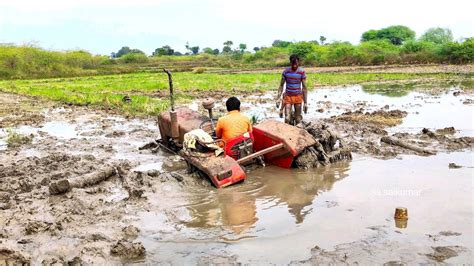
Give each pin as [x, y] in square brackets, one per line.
[232, 104]
[294, 61]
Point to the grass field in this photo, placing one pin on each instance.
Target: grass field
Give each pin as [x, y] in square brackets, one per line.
[147, 89]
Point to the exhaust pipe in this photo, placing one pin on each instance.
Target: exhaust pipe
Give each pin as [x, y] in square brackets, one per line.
[173, 114]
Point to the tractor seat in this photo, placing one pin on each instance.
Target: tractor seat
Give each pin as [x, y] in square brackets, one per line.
[240, 146]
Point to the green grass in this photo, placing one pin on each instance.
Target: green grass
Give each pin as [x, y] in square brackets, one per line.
[148, 91]
[15, 140]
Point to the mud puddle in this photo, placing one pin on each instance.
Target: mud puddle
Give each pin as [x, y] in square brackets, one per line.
[284, 213]
[421, 103]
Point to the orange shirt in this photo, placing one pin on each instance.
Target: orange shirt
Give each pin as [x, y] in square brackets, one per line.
[232, 125]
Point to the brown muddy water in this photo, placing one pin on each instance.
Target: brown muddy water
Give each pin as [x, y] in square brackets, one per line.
[277, 215]
[341, 213]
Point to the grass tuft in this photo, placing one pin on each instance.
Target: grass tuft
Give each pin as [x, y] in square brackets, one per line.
[15, 140]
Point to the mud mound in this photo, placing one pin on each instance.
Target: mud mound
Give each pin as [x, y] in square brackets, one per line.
[131, 232]
[12, 257]
[446, 130]
[365, 138]
[379, 117]
[128, 250]
[26, 174]
[441, 254]
[329, 147]
[440, 139]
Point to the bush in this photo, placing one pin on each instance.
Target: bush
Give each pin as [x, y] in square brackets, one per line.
[419, 52]
[81, 59]
[302, 49]
[377, 52]
[341, 53]
[199, 70]
[29, 61]
[459, 53]
[134, 58]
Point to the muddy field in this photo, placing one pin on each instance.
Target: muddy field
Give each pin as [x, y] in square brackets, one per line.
[143, 212]
[466, 69]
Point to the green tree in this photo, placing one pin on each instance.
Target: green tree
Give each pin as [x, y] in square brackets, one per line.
[395, 34]
[194, 49]
[280, 43]
[242, 47]
[322, 39]
[137, 51]
[164, 50]
[208, 50]
[126, 50]
[256, 49]
[227, 47]
[369, 35]
[123, 51]
[437, 35]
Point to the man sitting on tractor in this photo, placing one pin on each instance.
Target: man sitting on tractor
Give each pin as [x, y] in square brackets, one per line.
[233, 128]
[295, 92]
[233, 124]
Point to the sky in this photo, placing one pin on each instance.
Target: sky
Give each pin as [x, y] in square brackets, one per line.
[104, 26]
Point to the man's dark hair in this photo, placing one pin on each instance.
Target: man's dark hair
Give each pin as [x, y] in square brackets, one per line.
[232, 104]
[294, 57]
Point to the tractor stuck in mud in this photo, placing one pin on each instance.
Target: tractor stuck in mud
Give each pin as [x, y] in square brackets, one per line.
[271, 142]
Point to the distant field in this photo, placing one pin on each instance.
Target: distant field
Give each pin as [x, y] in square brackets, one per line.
[148, 91]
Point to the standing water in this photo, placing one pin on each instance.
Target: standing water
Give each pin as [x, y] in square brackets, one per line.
[278, 215]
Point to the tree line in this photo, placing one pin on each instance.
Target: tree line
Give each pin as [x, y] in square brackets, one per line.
[397, 35]
[391, 45]
[191, 50]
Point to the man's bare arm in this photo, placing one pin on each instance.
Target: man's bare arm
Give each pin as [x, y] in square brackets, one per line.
[280, 91]
[280, 88]
[305, 96]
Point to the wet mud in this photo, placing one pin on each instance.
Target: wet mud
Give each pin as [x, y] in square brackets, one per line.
[148, 210]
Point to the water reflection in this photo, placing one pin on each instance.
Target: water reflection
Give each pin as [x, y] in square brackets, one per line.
[239, 208]
[403, 89]
[230, 208]
[390, 90]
